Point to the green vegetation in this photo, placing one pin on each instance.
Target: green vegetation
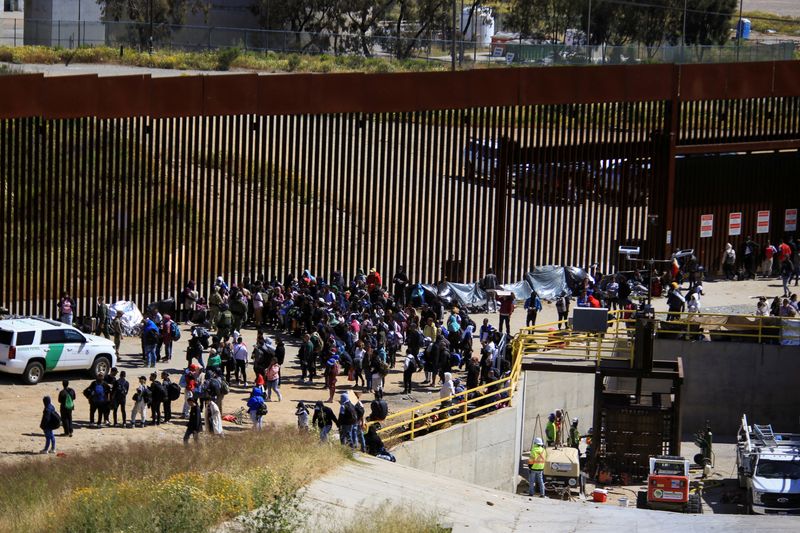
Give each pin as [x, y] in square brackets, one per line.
[6, 70]
[223, 59]
[785, 25]
[166, 487]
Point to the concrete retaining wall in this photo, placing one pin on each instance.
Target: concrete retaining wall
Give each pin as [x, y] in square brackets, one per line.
[486, 451]
[547, 391]
[723, 380]
[483, 451]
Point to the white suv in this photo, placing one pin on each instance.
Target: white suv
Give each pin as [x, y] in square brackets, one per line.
[32, 346]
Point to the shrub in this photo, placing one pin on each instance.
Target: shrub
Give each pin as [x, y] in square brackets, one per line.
[226, 57]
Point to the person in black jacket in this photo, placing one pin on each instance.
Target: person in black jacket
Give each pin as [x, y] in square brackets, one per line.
[375, 444]
[158, 394]
[98, 393]
[111, 381]
[473, 372]
[66, 413]
[347, 418]
[166, 402]
[119, 395]
[378, 408]
[323, 420]
[48, 424]
[195, 424]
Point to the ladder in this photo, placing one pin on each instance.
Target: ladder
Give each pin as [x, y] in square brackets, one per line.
[766, 434]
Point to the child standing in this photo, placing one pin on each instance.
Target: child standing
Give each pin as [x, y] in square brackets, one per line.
[140, 402]
[49, 423]
[302, 416]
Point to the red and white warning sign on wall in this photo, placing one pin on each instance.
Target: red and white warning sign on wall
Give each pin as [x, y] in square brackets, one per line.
[762, 222]
[706, 226]
[735, 224]
[790, 220]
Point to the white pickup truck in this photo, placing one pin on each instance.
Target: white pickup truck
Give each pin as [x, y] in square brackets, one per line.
[769, 469]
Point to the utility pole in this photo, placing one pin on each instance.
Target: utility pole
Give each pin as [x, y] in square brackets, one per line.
[589, 31]
[151, 27]
[453, 43]
[79, 23]
[739, 32]
[683, 37]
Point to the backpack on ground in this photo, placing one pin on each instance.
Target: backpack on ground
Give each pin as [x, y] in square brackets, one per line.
[175, 331]
[173, 391]
[69, 403]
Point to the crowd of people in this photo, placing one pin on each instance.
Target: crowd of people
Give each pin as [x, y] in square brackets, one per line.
[348, 332]
[359, 332]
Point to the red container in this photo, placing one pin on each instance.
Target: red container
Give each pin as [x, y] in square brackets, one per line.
[600, 495]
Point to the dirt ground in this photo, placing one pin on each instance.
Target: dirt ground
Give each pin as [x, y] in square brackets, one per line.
[20, 437]
[779, 7]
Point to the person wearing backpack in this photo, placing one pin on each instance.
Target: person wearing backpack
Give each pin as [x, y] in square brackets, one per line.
[49, 423]
[157, 395]
[224, 322]
[98, 394]
[172, 391]
[150, 336]
[119, 395]
[66, 402]
[169, 332]
[140, 399]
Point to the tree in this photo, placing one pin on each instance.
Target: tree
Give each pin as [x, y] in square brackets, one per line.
[309, 17]
[414, 19]
[544, 19]
[707, 28]
[164, 13]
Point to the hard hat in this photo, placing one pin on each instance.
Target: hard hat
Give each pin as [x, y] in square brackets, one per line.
[551, 417]
[574, 421]
[538, 441]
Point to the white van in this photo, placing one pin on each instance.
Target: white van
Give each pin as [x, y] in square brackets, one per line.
[32, 346]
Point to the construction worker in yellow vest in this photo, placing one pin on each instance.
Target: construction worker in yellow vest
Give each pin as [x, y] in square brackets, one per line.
[536, 464]
[550, 430]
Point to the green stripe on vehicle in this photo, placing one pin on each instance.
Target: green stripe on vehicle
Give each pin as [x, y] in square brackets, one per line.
[53, 356]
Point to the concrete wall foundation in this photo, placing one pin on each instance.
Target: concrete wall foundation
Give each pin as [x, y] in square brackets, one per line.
[724, 380]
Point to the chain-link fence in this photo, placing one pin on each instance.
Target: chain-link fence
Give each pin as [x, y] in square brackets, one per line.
[432, 47]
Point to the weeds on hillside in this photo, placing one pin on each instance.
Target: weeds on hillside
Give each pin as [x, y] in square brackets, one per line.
[390, 518]
[223, 59]
[163, 487]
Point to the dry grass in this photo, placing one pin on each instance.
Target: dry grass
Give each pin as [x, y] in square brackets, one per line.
[394, 519]
[159, 486]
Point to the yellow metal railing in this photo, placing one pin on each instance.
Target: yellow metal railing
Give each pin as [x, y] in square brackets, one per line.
[719, 326]
[460, 407]
[557, 341]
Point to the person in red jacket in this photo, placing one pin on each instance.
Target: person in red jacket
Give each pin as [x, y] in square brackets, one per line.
[374, 280]
[506, 309]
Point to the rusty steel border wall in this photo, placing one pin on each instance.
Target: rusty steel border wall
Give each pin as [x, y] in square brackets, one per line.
[127, 187]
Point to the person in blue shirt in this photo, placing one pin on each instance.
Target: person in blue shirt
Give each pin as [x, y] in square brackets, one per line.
[533, 305]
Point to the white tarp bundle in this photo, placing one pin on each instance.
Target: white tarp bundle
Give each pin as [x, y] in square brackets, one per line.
[521, 290]
[468, 295]
[132, 318]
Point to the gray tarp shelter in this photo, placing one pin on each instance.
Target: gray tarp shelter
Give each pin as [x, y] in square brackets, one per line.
[549, 282]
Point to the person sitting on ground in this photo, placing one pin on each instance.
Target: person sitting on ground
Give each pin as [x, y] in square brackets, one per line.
[375, 446]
